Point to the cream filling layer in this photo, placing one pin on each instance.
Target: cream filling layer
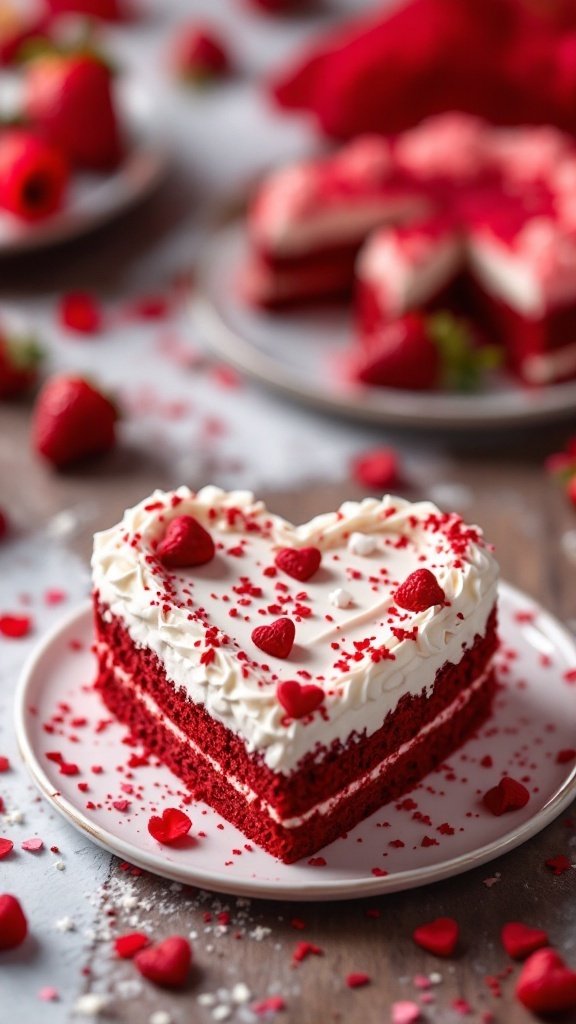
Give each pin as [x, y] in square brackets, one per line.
[326, 807]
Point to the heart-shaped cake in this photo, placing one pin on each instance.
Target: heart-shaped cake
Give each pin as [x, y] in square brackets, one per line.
[295, 677]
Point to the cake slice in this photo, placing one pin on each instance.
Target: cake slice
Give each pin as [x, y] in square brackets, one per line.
[308, 220]
[295, 678]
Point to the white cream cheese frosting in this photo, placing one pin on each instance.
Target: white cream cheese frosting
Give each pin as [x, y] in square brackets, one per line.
[365, 656]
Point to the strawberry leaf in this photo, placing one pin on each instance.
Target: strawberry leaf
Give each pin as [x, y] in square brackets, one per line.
[463, 362]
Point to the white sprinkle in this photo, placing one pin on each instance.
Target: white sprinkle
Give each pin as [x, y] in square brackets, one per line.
[129, 902]
[240, 993]
[160, 1017]
[260, 932]
[65, 924]
[206, 999]
[130, 988]
[59, 865]
[362, 543]
[435, 978]
[176, 887]
[221, 1012]
[14, 818]
[340, 598]
[92, 1004]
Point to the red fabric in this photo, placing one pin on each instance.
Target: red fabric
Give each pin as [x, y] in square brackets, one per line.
[509, 61]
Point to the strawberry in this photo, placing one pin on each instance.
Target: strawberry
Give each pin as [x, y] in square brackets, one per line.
[19, 362]
[13, 924]
[200, 55]
[299, 563]
[72, 421]
[277, 639]
[167, 963]
[33, 176]
[186, 543]
[104, 10]
[68, 99]
[421, 352]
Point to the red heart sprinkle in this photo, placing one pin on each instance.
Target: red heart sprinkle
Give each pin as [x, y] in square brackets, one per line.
[6, 847]
[299, 563]
[15, 626]
[32, 845]
[167, 963]
[126, 946]
[439, 936]
[357, 979]
[298, 700]
[508, 795]
[545, 984]
[171, 826]
[519, 940]
[419, 591]
[185, 543]
[13, 924]
[277, 639]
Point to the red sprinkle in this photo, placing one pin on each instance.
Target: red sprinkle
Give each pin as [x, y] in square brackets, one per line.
[4, 764]
[558, 865]
[126, 946]
[80, 312]
[305, 949]
[357, 979]
[377, 469]
[14, 627]
[6, 847]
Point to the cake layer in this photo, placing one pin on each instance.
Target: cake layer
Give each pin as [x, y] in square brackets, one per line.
[352, 642]
[322, 772]
[290, 840]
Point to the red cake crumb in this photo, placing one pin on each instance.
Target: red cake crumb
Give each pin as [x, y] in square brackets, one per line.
[273, 1004]
[4, 764]
[565, 756]
[6, 847]
[558, 865]
[33, 845]
[80, 312]
[305, 949]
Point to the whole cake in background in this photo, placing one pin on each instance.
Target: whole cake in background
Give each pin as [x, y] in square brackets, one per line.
[295, 678]
[452, 215]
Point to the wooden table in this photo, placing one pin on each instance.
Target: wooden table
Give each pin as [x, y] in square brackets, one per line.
[526, 516]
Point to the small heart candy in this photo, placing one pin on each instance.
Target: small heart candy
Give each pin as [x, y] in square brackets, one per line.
[508, 795]
[126, 946]
[545, 984]
[419, 591]
[439, 936]
[299, 700]
[277, 639]
[405, 1012]
[171, 826]
[299, 563]
[186, 543]
[167, 963]
[519, 940]
[32, 845]
[13, 924]
[6, 847]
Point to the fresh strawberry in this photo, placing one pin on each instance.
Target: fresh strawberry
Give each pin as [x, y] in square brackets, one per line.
[104, 10]
[20, 359]
[33, 175]
[420, 352]
[68, 99]
[199, 55]
[13, 924]
[72, 421]
[16, 30]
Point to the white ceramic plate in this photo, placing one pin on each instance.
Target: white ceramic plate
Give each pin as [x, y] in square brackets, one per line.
[298, 353]
[94, 199]
[535, 718]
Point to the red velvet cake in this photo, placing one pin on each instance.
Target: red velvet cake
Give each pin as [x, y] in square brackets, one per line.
[295, 678]
[458, 215]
